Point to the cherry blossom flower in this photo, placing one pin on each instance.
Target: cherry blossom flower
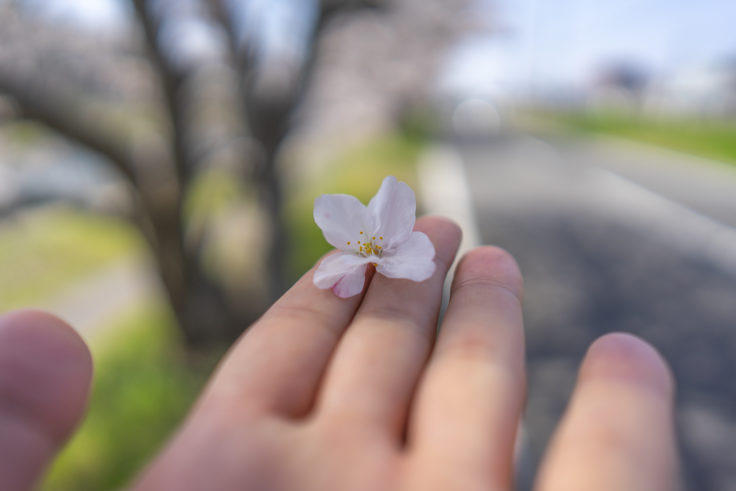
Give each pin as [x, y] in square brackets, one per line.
[380, 234]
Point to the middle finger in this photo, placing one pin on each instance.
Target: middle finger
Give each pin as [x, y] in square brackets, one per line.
[376, 365]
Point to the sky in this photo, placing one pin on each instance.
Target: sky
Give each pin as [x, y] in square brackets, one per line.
[103, 14]
[113, 14]
[544, 43]
[561, 43]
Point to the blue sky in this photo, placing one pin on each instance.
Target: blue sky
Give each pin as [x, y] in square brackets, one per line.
[104, 14]
[561, 42]
[112, 14]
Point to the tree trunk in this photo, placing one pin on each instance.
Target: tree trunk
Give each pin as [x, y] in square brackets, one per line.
[272, 203]
[200, 306]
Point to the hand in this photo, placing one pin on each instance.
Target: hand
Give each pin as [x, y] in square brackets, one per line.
[330, 394]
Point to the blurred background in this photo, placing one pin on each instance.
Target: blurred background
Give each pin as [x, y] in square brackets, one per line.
[159, 160]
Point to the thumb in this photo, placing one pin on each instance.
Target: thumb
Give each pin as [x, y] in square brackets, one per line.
[45, 374]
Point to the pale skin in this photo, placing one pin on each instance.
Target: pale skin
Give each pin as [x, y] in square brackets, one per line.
[324, 393]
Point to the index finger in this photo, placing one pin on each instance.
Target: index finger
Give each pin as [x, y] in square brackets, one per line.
[277, 364]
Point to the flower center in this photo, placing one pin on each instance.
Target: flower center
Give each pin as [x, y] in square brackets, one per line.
[368, 246]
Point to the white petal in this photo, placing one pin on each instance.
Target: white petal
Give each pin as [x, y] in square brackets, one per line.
[342, 217]
[412, 260]
[394, 210]
[341, 272]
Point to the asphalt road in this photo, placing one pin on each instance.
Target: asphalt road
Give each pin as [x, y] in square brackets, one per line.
[614, 237]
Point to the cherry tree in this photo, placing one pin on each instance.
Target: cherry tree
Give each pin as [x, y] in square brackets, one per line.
[191, 85]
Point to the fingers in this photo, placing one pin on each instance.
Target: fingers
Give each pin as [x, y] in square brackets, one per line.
[277, 365]
[617, 432]
[376, 366]
[45, 373]
[470, 399]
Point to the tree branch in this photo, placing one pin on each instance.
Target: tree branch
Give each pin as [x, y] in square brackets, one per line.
[171, 80]
[55, 110]
[219, 12]
[331, 8]
[241, 52]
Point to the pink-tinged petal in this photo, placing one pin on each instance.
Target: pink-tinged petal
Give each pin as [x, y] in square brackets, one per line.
[342, 217]
[341, 271]
[394, 210]
[412, 260]
[351, 284]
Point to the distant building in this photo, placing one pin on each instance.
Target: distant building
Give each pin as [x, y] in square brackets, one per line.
[703, 91]
[621, 85]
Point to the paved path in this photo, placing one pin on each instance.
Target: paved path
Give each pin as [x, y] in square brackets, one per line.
[608, 240]
[91, 304]
[705, 186]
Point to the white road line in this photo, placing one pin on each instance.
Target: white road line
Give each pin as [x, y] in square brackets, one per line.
[444, 189]
[680, 158]
[678, 225]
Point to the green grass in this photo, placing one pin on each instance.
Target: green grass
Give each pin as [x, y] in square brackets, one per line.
[358, 171]
[43, 251]
[144, 385]
[707, 138]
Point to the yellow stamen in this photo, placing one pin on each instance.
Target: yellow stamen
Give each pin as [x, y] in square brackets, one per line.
[348, 242]
[369, 247]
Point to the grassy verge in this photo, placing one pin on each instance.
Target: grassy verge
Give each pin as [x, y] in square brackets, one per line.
[45, 250]
[358, 171]
[707, 138]
[144, 384]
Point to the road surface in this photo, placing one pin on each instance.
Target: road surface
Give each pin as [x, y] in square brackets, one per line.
[610, 237]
